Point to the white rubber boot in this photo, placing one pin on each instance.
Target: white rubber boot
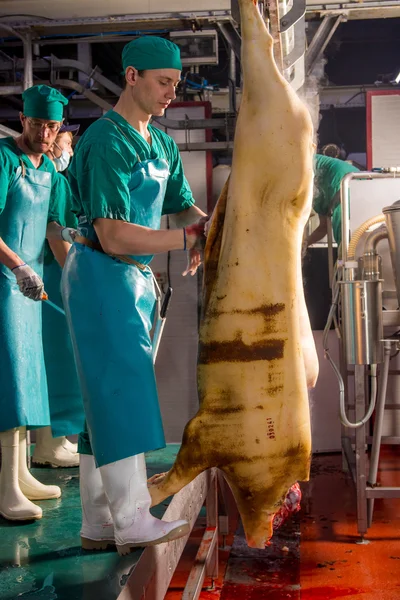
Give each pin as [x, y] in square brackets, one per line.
[31, 487]
[14, 506]
[72, 447]
[53, 451]
[97, 531]
[125, 484]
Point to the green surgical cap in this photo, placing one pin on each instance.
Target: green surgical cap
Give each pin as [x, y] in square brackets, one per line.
[44, 102]
[150, 52]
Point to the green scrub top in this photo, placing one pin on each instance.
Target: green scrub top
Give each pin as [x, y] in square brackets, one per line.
[329, 173]
[9, 163]
[66, 217]
[102, 167]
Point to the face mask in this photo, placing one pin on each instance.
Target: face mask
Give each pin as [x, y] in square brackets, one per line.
[62, 162]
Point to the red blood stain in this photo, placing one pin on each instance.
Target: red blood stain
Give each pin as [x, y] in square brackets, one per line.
[329, 593]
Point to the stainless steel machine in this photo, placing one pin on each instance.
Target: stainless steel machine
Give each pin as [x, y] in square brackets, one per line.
[366, 349]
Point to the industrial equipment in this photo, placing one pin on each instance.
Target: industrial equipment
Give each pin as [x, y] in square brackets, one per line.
[367, 344]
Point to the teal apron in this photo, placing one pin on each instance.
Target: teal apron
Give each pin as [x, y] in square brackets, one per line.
[65, 400]
[110, 308]
[23, 388]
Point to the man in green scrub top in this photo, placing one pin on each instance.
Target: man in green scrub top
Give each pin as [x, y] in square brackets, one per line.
[30, 201]
[329, 173]
[124, 176]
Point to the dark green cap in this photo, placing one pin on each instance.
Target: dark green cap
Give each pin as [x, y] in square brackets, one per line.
[44, 102]
[150, 52]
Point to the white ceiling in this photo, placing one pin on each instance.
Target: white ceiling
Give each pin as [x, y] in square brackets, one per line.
[80, 9]
[72, 9]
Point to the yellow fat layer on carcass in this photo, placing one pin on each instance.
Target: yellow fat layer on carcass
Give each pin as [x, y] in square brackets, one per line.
[253, 421]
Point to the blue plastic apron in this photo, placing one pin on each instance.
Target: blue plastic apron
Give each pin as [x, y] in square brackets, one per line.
[23, 388]
[65, 400]
[110, 309]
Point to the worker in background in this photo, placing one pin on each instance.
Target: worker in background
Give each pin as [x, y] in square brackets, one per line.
[65, 401]
[62, 150]
[30, 200]
[125, 174]
[328, 175]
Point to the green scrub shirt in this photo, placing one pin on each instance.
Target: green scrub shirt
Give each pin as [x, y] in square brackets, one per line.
[9, 163]
[102, 166]
[329, 173]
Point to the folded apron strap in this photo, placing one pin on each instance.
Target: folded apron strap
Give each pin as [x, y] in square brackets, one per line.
[122, 257]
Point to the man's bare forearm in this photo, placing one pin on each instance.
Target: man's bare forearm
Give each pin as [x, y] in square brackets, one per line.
[9, 258]
[60, 250]
[186, 217]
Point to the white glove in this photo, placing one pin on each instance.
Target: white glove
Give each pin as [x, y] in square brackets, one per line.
[30, 284]
[68, 234]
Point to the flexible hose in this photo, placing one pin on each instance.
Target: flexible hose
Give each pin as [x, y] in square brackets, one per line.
[372, 403]
[357, 235]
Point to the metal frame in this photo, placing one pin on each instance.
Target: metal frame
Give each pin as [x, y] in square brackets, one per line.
[116, 23]
[321, 39]
[206, 563]
[153, 572]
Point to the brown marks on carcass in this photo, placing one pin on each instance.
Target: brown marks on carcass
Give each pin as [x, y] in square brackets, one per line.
[294, 451]
[297, 459]
[274, 390]
[272, 314]
[275, 381]
[213, 246]
[226, 410]
[238, 351]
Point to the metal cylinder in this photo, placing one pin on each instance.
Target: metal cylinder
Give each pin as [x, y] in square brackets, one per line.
[370, 266]
[392, 216]
[362, 321]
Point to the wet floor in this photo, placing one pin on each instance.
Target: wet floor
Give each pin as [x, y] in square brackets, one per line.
[315, 556]
[44, 560]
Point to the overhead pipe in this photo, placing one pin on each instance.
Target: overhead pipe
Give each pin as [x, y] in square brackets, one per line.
[74, 85]
[8, 132]
[321, 39]
[27, 43]
[10, 90]
[192, 123]
[204, 146]
[77, 65]
[91, 73]
[232, 82]
[28, 61]
[211, 16]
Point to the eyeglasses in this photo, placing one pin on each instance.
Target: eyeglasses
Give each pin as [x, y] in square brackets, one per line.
[36, 124]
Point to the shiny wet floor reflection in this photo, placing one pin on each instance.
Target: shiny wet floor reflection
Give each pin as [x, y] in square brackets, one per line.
[44, 560]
